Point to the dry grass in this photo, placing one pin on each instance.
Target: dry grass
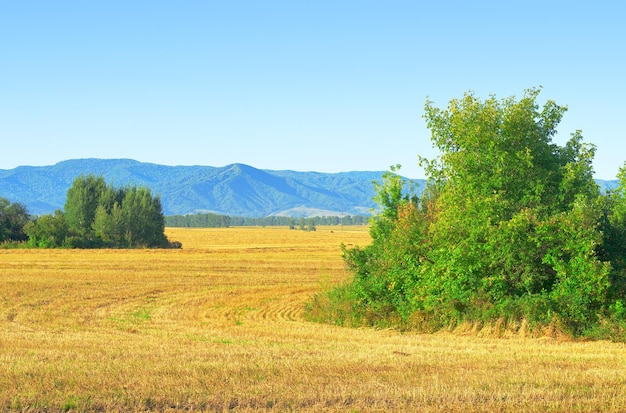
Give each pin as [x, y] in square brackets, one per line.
[218, 326]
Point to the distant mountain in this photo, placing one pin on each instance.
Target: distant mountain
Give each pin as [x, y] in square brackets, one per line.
[236, 190]
[607, 185]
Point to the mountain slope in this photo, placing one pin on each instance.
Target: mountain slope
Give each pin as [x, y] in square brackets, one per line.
[232, 190]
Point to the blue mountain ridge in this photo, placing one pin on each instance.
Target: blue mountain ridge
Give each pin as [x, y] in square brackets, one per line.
[236, 190]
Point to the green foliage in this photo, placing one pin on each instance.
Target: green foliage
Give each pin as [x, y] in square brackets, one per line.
[142, 219]
[13, 218]
[510, 226]
[99, 215]
[48, 231]
[81, 203]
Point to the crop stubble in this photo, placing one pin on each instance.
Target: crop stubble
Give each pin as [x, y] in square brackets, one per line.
[218, 325]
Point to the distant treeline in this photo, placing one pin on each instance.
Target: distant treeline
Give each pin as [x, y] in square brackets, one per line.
[210, 220]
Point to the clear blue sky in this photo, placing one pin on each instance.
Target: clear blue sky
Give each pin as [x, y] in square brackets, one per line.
[304, 85]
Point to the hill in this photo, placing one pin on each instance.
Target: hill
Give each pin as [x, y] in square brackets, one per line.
[236, 190]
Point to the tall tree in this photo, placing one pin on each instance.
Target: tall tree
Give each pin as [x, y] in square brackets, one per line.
[143, 219]
[81, 203]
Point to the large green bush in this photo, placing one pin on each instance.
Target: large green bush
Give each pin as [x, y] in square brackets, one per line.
[510, 227]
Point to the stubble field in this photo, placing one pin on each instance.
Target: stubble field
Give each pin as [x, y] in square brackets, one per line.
[218, 326]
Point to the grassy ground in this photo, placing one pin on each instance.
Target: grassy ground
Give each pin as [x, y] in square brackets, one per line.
[218, 326]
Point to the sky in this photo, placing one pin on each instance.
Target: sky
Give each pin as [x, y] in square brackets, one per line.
[326, 86]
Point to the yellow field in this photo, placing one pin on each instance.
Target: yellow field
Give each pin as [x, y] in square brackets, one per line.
[218, 326]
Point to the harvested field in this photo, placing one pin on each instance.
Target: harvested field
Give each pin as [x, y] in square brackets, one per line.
[218, 326]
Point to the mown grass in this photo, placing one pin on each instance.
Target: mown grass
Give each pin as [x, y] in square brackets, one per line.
[219, 326]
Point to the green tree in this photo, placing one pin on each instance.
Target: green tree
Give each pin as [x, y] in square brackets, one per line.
[109, 225]
[510, 225]
[613, 228]
[13, 218]
[48, 231]
[143, 219]
[81, 203]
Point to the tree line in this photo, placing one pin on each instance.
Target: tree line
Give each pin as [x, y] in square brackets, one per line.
[510, 229]
[211, 220]
[95, 215]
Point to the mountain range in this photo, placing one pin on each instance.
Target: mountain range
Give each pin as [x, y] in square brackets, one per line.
[235, 190]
